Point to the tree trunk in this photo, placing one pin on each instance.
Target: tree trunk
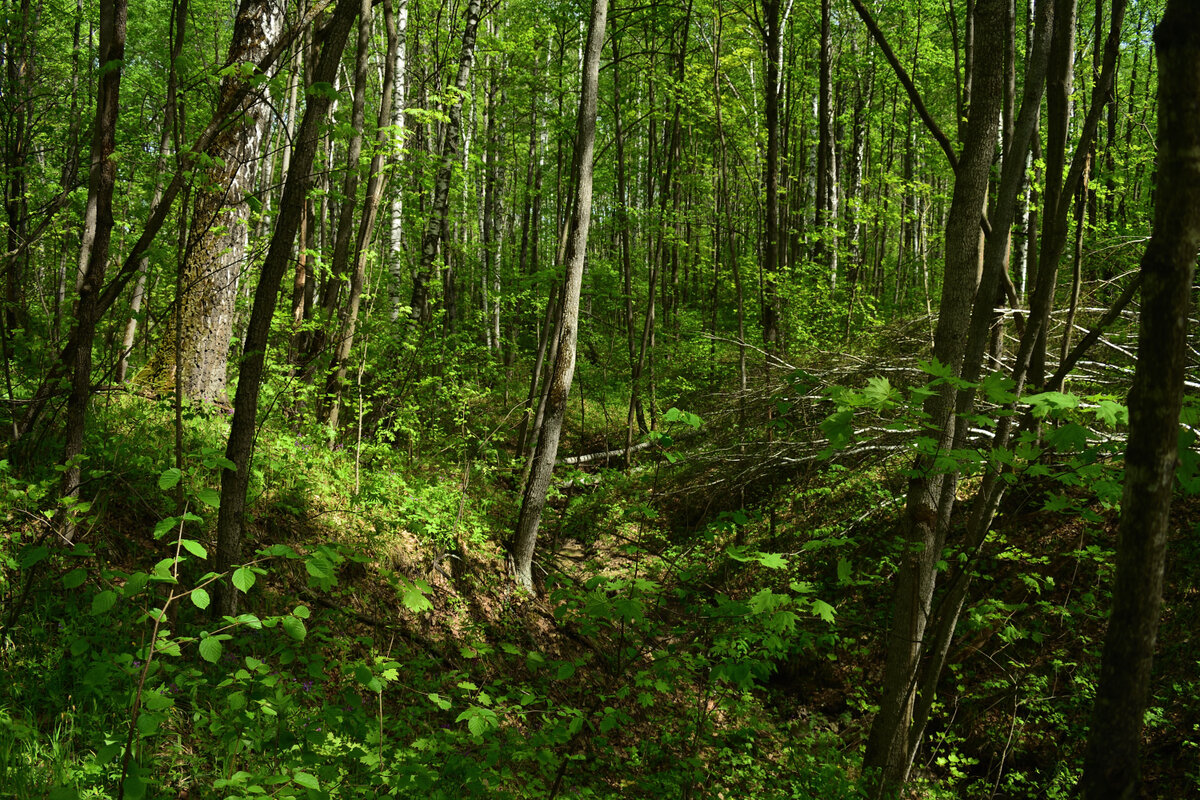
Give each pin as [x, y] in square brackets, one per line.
[826, 251]
[1111, 767]
[245, 405]
[771, 36]
[431, 240]
[366, 224]
[102, 177]
[534, 500]
[218, 236]
[890, 748]
[396, 238]
[179, 9]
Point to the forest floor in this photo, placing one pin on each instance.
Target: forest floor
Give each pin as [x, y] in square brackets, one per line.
[687, 640]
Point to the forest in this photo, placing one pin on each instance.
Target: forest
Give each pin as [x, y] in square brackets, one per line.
[600, 399]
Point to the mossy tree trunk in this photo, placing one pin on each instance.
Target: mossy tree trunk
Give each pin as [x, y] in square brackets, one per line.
[218, 234]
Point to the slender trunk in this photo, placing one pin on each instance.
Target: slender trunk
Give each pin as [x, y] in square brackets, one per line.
[102, 177]
[534, 500]
[431, 239]
[890, 748]
[245, 405]
[366, 224]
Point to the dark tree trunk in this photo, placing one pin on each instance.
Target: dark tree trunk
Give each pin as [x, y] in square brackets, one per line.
[1111, 767]
[431, 239]
[102, 178]
[245, 405]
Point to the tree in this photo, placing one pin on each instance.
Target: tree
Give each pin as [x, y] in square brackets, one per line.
[891, 747]
[563, 371]
[240, 446]
[1111, 765]
[97, 234]
[431, 239]
[218, 234]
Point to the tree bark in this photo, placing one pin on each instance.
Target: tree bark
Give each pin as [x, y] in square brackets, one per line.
[890, 748]
[366, 225]
[245, 405]
[102, 177]
[219, 235]
[534, 500]
[431, 239]
[1111, 764]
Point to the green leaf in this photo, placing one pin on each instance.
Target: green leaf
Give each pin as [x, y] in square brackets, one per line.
[302, 612]
[200, 598]
[837, 429]
[772, 560]
[164, 525]
[306, 780]
[997, 388]
[843, 570]
[33, 555]
[210, 649]
[104, 601]
[823, 610]
[243, 578]
[879, 392]
[155, 700]
[135, 788]
[363, 674]
[210, 497]
[565, 670]
[294, 628]
[75, 578]
[169, 479]
[412, 594]
[440, 701]
[1112, 413]
[193, 547]
[319, 567]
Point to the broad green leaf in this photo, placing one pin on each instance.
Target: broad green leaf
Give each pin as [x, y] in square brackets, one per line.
[843, 570]
[772, 560]
[75, 578]
[294, 628]
[156, 700]
[194, 547]
[169, 479]
[104, 601]
[837, 428]
[363, 674]
[306, 780]
[823, 610]
[319, 567]
[135, 788]
[200, 598]
[164, 525]
[210, 649]
[210, 497]
[565, 670]
[243, 578]
[33, 555]
[879, 392]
